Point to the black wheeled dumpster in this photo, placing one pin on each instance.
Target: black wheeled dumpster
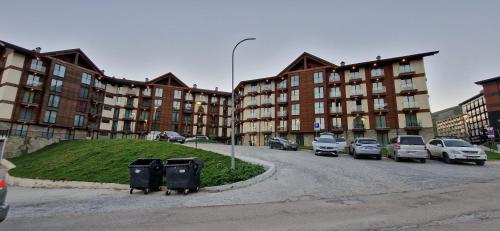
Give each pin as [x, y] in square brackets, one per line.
[183, 175]
[146, 175]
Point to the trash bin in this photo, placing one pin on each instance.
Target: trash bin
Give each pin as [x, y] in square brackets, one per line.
[146, 175]
[183, 175]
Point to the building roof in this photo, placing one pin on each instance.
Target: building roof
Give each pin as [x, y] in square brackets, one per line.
[210, 92]
[123, 81]
[75, 51]
[454, 111]
[389, 60]
[494, 79]
[471, 98]
[17, 48]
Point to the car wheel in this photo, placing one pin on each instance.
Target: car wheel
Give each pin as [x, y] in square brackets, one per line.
[429, 155]
[446, 158]
[396, 158]
[422, 160]
[480, 163]
[282, 147]
[354, 155]
[379, 157]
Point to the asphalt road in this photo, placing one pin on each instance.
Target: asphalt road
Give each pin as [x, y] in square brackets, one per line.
[307, 192]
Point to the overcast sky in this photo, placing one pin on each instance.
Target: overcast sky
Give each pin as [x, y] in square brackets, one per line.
[194, 39]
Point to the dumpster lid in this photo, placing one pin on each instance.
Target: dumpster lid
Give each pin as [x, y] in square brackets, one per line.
[173, 161]
[144, 161]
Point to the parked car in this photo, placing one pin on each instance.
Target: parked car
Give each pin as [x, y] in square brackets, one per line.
[171, 136]
[342, 143]
[4, 207]
[325, 144]
[365, 147]
[283, 144]
[197, 138]
[407, 146]
[455, 150]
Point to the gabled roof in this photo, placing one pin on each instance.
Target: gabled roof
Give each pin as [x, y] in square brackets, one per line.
[388, 60]
[170, 79]
[494, 79]
[303, 59]
[17, 48]
[210, 92]
[79, 56]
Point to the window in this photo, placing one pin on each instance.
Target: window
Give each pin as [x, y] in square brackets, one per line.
[354, 75]
[357, 106]
[50, 117]
[405, 68]
[318, 92]
[117, 101]
[78, 121]
[25, 114]
[175, 117]
[356, 90]
[86, 78]
[158, 103]
[336, 107]
[56, 85]
[406, 84]
[294, 81]
[59, 70]
[158, 92]
[321, 122]
[409, 102]
[54, 101]
[282, 97]
[336, 122]
[47, 133]
[282, 84]
[358, 122]
[99, 84]
[84, 93]
[377, 72]
[214, 99]
[144, 116]
[157, 116]
[177, 94]
[295, 95]
[335, 92]
[177, 105]
[318, 77]
[296, 124]
[126, 126]
[28, 97]
[379, 103]
[378, 87]
[380, 121]
[146, 92]
[411, 120]
[319, 108]
[33, 80]
[189, 96]
[334, 77]
[253, 87]
[296, 109]
[253, 113]
[253, 100]
[37, 65]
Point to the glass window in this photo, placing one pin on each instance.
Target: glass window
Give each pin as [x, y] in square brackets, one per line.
[59, 70]
[54, 101]
[177, 105]
[146, 92]
[318, 77]
[379, 103]
[177, 94]
[295, 124]
[321, 122]
[78, 120]
[319, 108]
[336, 122]
[33, 80]
[84, 93]
[47, 133]
[358, 122]
[335, 92]
[296, 109]
[25, 114]
[354, 75]
[405, 68]
[158, 92]
[377, 72]
[158, 103]
[37, 65]
[295, 95]
[294, 81]
[28, 97]
[334, 77]
[318, 92]
[50, 117]
[56, 85]
[356, 90]
[99, 84]
[86, 78]
[380, 121]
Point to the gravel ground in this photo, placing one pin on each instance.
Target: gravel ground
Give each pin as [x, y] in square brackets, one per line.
[300, 176]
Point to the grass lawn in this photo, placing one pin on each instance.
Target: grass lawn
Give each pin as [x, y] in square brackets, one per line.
[107, 161]
[493, 155]
[306, 148]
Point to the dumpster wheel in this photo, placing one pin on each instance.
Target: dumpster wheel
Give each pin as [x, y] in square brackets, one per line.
[168, 192]
[186, 191]
[146, 191]
[131, 190]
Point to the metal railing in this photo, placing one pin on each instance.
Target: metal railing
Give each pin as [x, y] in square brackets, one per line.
[410, 104]
[357, 108]
[379, 90]
[413, 123]
[356, 92]
[336, 110]
[406, 87]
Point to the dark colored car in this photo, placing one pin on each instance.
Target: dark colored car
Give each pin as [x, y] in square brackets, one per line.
[4, 207]
[171, 136]
[283, 144]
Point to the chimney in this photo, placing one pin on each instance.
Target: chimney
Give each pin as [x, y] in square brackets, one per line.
[194, 85]
[342, 63]
[102, 71]
[378, 57]
[147, 80]
[216, 89]
[37, 50]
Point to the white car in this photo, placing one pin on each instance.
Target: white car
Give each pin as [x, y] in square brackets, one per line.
[325, 144]
[452, 150]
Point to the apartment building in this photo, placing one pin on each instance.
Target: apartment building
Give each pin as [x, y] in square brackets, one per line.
[64, 95]
[491, 92]
[378, 99]
[476, 117]
[450, 122]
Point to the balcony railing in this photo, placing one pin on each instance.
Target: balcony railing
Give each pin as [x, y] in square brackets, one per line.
[334, 78]
[405, 69]
[281, 86]
[253, 103]
[378, 90]
[38, 68]
[413, 124]
[359, 126]
[355, 76]
[253, 90]
[282, 129]
[252, 116]
[379, 106]
[334, 94]
[409, 104]
[407, 87]
[266, 114]
[356, 92]
[336, 110]
[282, 100]
[357, 108]
[282, 113]
[35, 84]
[377, 73]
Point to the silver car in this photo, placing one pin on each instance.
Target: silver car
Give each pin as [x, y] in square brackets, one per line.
[407, 146]
[325, 144]
[4, 207]
[365, 147]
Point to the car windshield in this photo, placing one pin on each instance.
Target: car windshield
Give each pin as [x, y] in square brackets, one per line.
[173, 134]
[411, 140]
[340, 140]
[457, 143]
[325, 140]
[367, 141]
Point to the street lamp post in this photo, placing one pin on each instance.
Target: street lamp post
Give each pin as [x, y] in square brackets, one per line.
[233, 165]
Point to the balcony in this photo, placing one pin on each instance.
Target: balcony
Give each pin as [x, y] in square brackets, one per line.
[38, 68]
[380, 107]
[253, 90]
[359, 127]
[377, 74]
[282, 129]
[282, 87]
[410, 106]
[282, 114]
[267, 90]
[129, 106]
[282, 101]
[337, 129]
[266, 115]
[412, 125]
[382, 127]
[378, 90]
[34, 86]
[267, 129]
[408, 89]
[334, 78]
[357, 109]
[356, 93]
[267, 103]
[335, 95]
[406, 71]
[253, 104]
[29, 104]
[336, 111]
[355, 78]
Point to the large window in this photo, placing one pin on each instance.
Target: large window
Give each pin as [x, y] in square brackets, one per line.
[358, 122]
[86, 78]
[378, 87]
[377, 72]
[189, 96]
[295, 95]
[84, 92]
[47, 133]
[177, 105]
[21, 130]
[354, 75]
[294, 81]
[33, 80]
[54, 101]
[318, 92]
[318, 77]
[379, 103]
[56, 85]
[28, 97]
[37, 65]
[335, 92]
[175, 117]
[356, 90]
[25, 114]
[409, 102]
[406, 84]
[357, 105]
[321, 122]
[177, 94]
[78, 121]
[158, 92]
[336, 122]
[319, 108]
[336, 107]
[381, 121]
[334, 77]
[59, 70]
[296, 109]
[405, 68]
[101, 85]
[50, 117]
[296, 124]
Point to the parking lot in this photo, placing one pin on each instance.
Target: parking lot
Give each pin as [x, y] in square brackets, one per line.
[300, 176]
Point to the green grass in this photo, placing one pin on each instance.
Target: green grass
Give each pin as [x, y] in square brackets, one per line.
[306, 148]
[493, 155]
[202, 141]
[107, 161]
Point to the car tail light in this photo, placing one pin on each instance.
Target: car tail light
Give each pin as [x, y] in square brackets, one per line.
[3, 184]
[398, 146]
